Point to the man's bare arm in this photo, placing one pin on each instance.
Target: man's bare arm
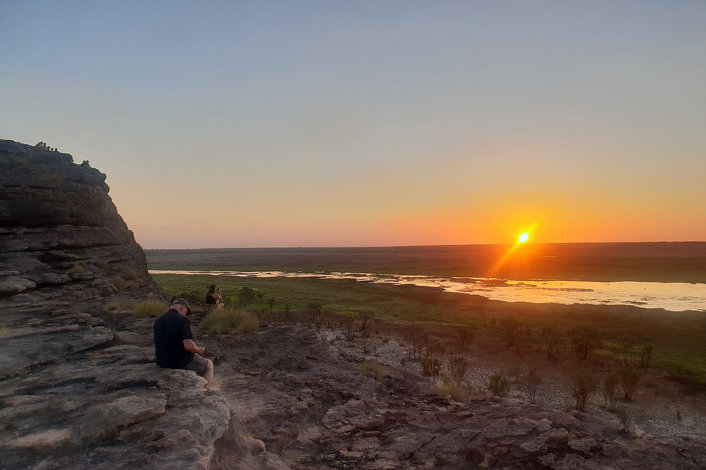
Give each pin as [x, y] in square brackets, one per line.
[190, 346]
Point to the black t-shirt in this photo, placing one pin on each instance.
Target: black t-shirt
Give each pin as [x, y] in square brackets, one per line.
[170, 331]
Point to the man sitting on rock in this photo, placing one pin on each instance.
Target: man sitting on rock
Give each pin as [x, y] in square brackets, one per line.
[174, 344]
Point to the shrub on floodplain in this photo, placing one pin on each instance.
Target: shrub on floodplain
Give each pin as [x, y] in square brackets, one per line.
[530, 383]
[499, 385]
[610, 391]
[458, 365]
[581, 385]
[629, 379]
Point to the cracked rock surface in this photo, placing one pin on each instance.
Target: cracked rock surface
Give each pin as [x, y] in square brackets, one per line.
[312, 407]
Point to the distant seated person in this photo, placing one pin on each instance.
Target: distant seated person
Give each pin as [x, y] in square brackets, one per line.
[174, 345]
[213, 298]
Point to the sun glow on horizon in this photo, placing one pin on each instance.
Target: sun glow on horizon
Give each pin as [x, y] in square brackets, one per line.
[521, 239]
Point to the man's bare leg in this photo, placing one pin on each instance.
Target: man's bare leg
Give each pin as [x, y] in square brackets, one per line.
[209, 373]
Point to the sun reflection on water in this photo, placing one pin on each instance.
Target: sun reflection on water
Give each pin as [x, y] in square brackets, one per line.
[673, 296]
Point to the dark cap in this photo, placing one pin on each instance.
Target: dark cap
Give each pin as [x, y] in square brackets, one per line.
[180, 301]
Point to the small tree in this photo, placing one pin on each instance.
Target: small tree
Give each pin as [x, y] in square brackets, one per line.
[431, 362]
[628, 343]
[271, 301]
[465, 336]
[245, 296]
[610, 390]
[511, 327]
[582, 385]
[458, 365]
[314, 310]
[230, 301]
[645, 355]
[416, 343]
[317, 313]
[584, 340]
[530, 383]
[350, 333]
[550, 341]
[434, 348]
[629, 378]
[367, 323]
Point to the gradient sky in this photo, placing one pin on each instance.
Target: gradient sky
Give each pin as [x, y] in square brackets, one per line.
[358, 123]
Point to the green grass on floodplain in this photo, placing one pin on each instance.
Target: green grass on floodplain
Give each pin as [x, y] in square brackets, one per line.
[678, 337]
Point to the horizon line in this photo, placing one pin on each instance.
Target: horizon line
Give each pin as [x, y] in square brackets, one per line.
[421, 246]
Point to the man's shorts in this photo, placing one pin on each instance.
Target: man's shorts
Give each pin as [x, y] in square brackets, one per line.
[198, 364]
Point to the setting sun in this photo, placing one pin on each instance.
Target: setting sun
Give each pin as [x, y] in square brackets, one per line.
[524, 237]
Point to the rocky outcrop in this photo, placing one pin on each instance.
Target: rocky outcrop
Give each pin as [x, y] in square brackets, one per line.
[313, 407]
[60, 233]
[79, 388]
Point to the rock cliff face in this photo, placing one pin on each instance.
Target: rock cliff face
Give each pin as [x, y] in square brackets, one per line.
[78, 384]
[60, 233]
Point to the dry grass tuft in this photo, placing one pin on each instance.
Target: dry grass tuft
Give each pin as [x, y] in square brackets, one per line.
[148, 308]
[233, 322]
[373, 367]
[77, 270]
[119, 283]
[452, 389]
[126, 272]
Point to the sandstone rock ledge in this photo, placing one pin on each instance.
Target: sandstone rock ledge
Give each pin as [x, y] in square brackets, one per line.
[81, 391]
[287, 401]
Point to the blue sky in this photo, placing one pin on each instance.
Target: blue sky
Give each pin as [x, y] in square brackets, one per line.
[331, 123]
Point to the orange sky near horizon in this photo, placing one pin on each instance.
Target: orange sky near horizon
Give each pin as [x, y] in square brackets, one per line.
[390, 123]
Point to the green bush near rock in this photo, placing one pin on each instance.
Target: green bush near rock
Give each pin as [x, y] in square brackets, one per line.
[499, 385]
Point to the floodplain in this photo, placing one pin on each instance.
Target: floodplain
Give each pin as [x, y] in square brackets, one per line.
[506, 334]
